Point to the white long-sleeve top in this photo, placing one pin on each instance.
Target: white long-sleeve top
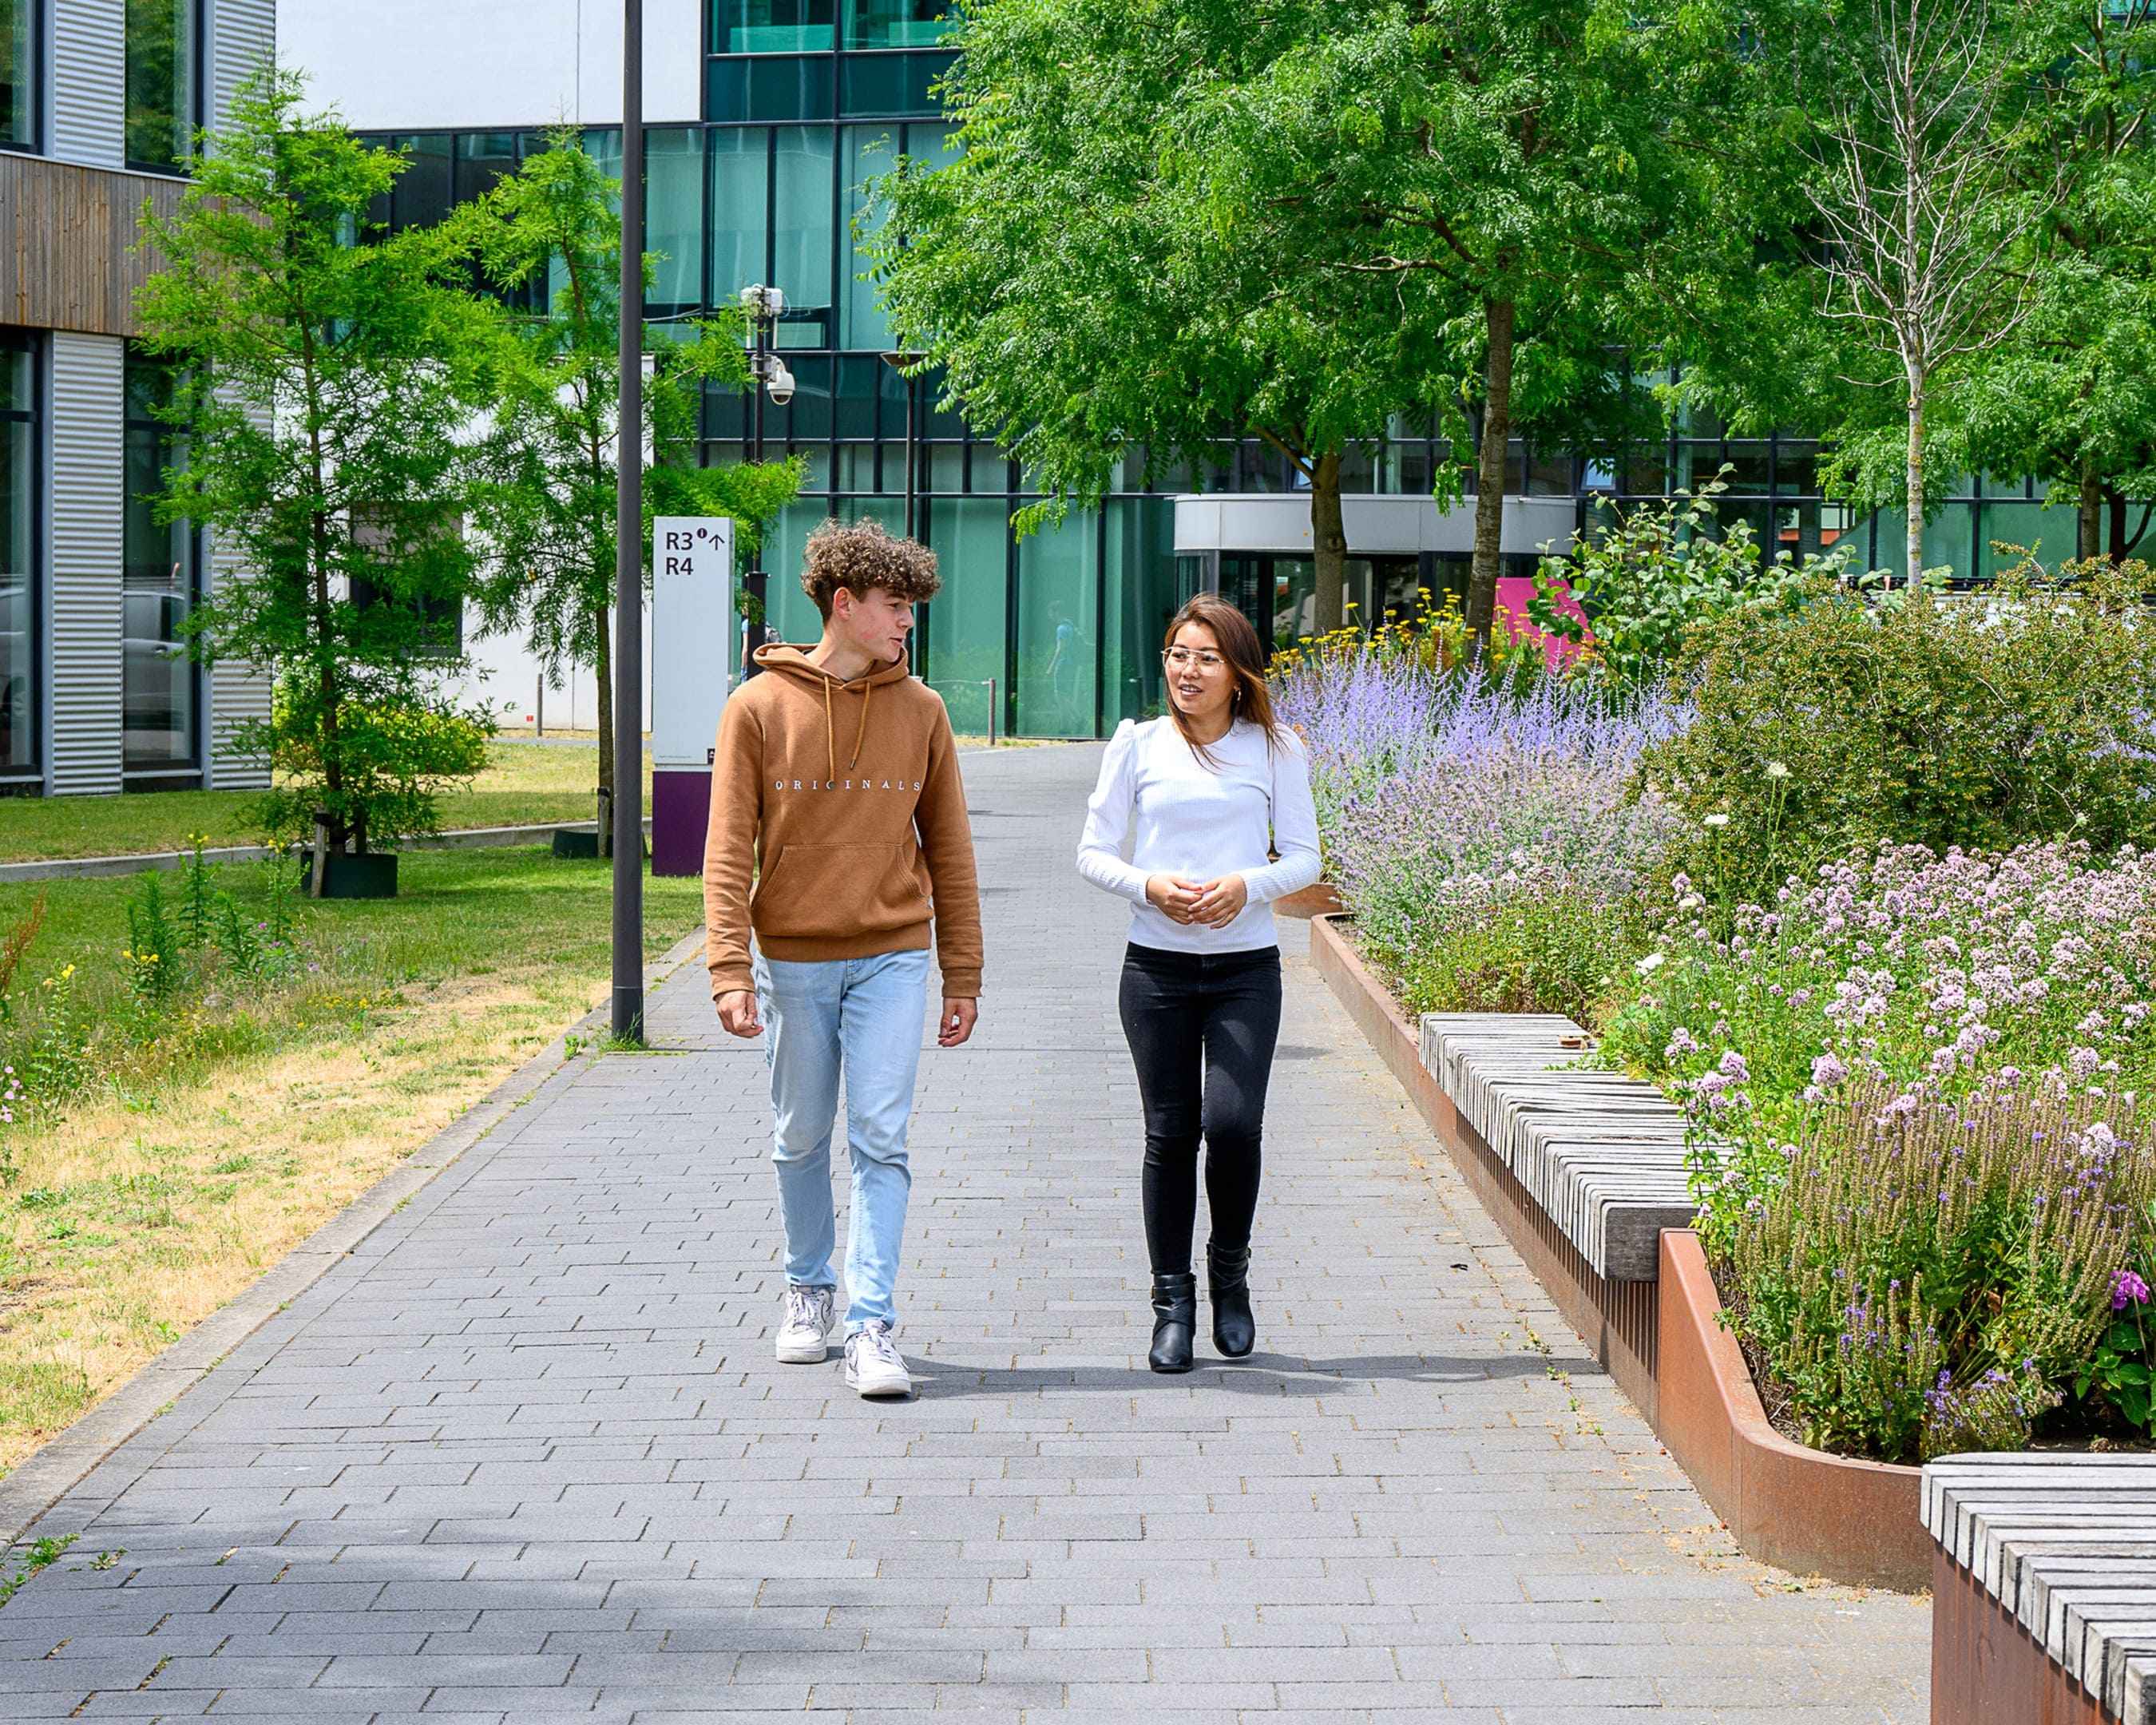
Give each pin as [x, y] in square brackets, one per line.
[1160, 810]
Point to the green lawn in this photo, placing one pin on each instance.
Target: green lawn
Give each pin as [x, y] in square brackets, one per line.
[523, 783]
[220, 1131]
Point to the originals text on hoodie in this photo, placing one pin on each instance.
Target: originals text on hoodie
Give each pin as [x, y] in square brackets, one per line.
[838, 825]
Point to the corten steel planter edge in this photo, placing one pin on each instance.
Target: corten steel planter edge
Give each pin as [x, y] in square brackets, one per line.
[1801, 1509]
[1321, 899]
[1987, 1670]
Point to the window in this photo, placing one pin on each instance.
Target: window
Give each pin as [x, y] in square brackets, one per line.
[19, 489]
[770, 26]
[164, 54]
[160, 688]
[19, 74]
[894, 23]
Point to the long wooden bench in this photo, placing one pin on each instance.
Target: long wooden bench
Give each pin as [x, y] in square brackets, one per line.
[1603, 1154]
[2062, 1549]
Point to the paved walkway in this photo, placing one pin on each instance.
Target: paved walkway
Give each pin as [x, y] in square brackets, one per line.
[526, 1454]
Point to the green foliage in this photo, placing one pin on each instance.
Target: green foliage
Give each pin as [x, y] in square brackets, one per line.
[1541, 951]
[2122, 1370]
[153, 954]
[2022, 711]
[39, 1554]
[1648, 577]
[393, 757]
[326, 386]
[1926, 1277]
[544, 497]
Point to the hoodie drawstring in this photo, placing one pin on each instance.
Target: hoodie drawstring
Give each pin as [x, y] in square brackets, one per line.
[867, 689]
[831, 732]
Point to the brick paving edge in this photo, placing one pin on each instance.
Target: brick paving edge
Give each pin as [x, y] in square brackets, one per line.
[56, 1469]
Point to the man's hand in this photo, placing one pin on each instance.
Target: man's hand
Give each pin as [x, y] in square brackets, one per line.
[738, 1013]
[1172, 896]
[1220, 902]
[958, 1022]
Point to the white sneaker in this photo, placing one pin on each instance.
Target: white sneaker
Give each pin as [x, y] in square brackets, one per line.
[804, 1333]
[873, 1365]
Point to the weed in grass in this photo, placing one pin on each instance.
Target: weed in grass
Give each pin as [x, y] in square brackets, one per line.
[39, 1554]
[233, 1165]
[195, 894]
[108, 1559]
[155, 971]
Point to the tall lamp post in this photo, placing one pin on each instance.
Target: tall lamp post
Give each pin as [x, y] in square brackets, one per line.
[628, 1015]
[768, 376]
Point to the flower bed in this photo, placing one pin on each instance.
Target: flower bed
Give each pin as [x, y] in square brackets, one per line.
[1923, 1188]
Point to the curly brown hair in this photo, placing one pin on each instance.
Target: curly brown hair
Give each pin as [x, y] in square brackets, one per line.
[859, 555]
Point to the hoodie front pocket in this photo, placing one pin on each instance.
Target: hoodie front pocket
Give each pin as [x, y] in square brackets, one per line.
[833, 891]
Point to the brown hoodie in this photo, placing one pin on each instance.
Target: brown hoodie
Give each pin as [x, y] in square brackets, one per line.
[853, 832]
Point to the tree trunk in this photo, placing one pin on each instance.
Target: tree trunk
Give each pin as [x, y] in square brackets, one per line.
[603, 665]
[1916, 476]
[2118, 502]
[1328, 542]
[1490, 475]
[2088, 530]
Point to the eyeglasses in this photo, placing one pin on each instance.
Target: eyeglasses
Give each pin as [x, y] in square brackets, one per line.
[1181, 657]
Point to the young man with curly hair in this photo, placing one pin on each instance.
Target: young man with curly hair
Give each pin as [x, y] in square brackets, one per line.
[838, 836]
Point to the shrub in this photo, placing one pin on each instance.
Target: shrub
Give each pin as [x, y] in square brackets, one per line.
[1980, 722]
[1932, 1273]
[1646, 577]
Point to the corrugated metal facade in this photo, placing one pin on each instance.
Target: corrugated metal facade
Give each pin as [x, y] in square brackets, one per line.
[242, 35]
[89, 63]
[85, 475]
[84, 542]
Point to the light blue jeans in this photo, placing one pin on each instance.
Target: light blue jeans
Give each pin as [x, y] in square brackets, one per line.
[863, 1017]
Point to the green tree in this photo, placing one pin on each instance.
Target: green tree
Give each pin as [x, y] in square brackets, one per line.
[2071, 394]
[1547, 192]
[326, 382]
[544, 505]
[1090, 299]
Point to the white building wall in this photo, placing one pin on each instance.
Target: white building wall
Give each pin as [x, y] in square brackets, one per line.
[85, 481]
[471, 65]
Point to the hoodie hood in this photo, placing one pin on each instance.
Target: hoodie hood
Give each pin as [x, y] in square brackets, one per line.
[794, 664]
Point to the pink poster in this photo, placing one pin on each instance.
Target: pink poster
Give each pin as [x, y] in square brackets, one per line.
[1513, 594]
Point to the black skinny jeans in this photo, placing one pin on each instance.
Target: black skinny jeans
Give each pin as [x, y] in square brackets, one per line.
[1201, 1028]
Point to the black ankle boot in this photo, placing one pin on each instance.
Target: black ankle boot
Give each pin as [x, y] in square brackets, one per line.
[1234, 1330]
[1174, 1318]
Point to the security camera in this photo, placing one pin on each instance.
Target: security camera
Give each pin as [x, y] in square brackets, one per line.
[782, 384]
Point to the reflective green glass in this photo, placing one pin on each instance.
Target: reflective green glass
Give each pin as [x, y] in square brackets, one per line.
[1142, 585]
[674, 220]
[804, 204]
[896, 23]
[1058, 655]
[19, 76]
[969, 536]
[869, 150]
[741, 194]
[782, 87]
[770, 26]
[890, 83]
[160, 65]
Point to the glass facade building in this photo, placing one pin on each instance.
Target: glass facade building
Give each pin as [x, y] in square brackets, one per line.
[21, 51]
[804, 101]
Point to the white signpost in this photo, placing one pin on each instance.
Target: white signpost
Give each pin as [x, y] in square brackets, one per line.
[696, 653]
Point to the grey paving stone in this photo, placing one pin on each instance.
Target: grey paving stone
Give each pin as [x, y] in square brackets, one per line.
[525, 1455]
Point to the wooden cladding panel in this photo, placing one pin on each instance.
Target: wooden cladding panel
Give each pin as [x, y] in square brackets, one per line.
[68, 234]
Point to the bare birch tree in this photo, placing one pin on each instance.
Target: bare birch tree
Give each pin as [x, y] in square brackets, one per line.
[1912, 188]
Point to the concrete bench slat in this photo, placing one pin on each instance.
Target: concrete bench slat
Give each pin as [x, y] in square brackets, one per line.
[2066, 1545]
[1603, 1154]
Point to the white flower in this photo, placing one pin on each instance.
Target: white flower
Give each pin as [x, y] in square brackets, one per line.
[1716, 820]
[1778, 769]
[1651, 963]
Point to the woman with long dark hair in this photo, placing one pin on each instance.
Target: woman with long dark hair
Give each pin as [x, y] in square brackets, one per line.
[1189, 809]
